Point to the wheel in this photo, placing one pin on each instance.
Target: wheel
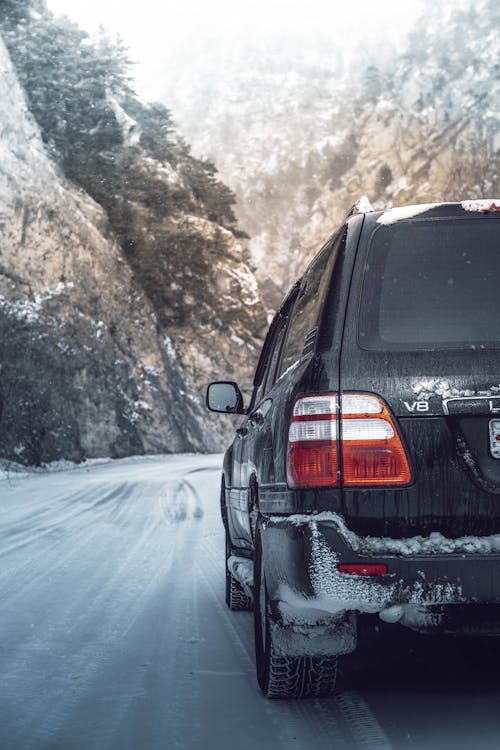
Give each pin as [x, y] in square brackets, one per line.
[278, 675]
[236, 598]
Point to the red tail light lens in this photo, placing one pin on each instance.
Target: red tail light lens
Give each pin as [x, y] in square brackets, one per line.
[372, 451]
[362, 570]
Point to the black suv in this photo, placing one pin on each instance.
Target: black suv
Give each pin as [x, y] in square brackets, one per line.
[365, 476]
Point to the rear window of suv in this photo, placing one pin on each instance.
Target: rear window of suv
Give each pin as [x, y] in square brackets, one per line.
[432, 284]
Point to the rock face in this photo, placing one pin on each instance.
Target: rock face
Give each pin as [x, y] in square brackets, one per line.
[430, 129]
[86, 369]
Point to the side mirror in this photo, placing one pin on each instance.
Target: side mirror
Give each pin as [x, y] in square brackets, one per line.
[225, 396]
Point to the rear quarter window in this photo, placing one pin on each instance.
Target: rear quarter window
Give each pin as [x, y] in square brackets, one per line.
[432, 284]
[305, 317]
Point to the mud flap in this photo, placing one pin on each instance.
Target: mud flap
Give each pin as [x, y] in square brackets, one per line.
[332, 637]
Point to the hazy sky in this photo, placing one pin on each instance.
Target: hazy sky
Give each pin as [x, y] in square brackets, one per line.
[155, 30]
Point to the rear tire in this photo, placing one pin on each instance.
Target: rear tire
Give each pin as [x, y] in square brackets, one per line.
[236, 598]
[278, 675]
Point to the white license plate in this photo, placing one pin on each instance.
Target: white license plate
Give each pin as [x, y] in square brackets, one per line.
[495, 438]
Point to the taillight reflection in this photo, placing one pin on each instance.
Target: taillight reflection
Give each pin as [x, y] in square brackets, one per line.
[376, 569]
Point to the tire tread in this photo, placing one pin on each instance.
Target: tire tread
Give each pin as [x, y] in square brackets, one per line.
[301, 676]
[237, 599]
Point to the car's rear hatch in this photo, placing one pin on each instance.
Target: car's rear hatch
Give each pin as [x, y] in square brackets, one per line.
[423, 332]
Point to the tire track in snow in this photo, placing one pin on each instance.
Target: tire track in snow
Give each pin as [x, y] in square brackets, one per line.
[152, 712]
[180, 496]
[362, 724]
[44, 562]
[181, 697]
[181, 720]
[51, 522]
[82, 612]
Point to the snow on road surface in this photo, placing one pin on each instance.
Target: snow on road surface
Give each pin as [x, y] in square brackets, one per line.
[114, 633]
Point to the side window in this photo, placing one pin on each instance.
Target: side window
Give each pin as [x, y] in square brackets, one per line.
[277, 345]
[265, 374]
[263, 365]
[258, 394]
[302, 330]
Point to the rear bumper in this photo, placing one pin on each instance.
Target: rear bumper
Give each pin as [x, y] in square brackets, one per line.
[301, 555]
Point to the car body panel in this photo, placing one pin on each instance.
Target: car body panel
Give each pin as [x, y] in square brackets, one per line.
[444, 403]
[302, 555]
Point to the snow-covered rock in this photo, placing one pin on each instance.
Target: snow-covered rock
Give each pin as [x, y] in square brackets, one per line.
[84, 371]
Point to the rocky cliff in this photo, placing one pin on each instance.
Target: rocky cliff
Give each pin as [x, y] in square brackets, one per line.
[87, 366]
[428, 128]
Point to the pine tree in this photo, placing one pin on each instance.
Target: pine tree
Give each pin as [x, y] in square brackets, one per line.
[80, 93]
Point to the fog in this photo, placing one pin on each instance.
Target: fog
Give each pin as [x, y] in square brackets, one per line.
[160, 36]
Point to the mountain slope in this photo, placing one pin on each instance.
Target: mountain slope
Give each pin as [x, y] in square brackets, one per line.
[84, 367]
[87, 366]
[432, 133]
[300, 132]
[125, 285]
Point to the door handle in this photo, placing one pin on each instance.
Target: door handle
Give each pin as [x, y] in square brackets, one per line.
[242, 431]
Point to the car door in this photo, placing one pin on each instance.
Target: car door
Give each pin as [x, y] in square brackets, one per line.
[254, 449]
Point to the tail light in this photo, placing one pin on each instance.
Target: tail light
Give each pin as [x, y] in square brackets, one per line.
[355, 569]
[372, 450]
[360, 428]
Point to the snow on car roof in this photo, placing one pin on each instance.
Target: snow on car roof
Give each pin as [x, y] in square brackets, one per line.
[392, 215]
[486, 205]
[405, 212]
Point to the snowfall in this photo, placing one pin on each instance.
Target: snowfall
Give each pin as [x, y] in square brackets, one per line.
[114, 632]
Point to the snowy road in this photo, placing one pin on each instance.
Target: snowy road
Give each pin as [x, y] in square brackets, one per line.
[114, 633]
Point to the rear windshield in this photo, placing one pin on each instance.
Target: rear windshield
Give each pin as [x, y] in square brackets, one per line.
[432, 285]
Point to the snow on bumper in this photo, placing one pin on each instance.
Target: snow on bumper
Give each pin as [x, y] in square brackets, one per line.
[302, 554]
